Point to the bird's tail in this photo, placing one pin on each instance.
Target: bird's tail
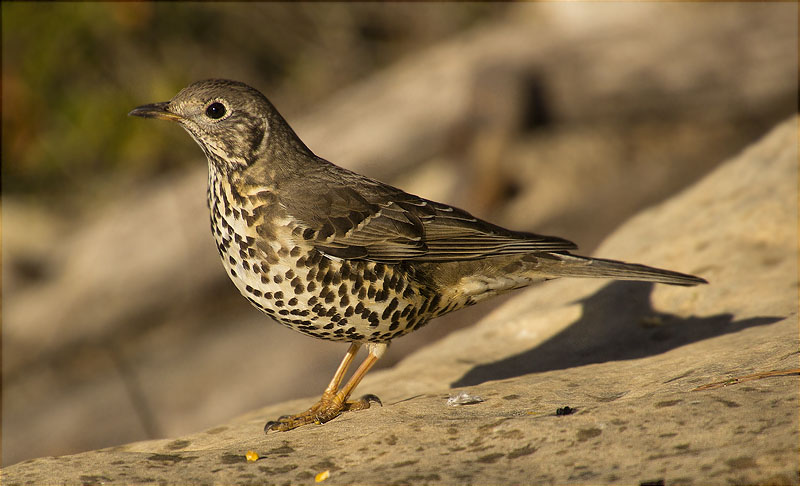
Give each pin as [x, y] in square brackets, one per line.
[473, 281]
[568, 265]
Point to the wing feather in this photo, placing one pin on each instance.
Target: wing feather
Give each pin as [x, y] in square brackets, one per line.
[357, 217]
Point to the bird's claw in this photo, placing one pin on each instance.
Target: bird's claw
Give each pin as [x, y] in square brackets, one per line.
[372, 398]
[322, 412]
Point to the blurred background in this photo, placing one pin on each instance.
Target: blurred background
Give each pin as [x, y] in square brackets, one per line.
[119, 323]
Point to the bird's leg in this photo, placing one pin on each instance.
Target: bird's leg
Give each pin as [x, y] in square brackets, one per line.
[334, 401]
[333, 386]
[375, 351]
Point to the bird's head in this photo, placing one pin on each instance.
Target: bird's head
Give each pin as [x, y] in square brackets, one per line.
[232, 122]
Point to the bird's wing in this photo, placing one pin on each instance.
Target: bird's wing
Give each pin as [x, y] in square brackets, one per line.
[365, 219]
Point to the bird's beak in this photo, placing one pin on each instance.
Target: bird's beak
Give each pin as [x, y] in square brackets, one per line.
[155, 110]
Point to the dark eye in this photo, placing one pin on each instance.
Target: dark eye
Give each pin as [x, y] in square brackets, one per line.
[215, 110]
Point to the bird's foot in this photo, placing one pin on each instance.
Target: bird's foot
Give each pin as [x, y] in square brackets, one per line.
[325, 410]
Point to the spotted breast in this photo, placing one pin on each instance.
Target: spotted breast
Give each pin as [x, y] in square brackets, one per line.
[274, 264]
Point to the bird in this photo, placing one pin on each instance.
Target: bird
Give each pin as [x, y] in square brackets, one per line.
[339, 256]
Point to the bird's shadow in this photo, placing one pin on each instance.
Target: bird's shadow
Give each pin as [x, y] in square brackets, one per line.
[618, 323]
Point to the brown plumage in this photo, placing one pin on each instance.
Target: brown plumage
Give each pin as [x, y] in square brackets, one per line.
[342, 257]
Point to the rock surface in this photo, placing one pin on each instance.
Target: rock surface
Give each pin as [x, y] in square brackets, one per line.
[625, 356]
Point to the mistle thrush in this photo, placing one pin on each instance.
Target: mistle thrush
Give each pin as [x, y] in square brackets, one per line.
[342, 257]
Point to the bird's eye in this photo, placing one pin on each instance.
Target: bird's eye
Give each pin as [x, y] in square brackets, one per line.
[215, 110]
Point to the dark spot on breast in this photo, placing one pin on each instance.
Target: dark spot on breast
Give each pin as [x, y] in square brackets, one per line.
[389, 309]
[255, 303]
[313, 259]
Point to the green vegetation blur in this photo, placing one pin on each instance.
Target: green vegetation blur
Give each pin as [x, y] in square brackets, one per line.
[72, 71]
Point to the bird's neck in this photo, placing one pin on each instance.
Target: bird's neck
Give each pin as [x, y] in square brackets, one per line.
[232, 190]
